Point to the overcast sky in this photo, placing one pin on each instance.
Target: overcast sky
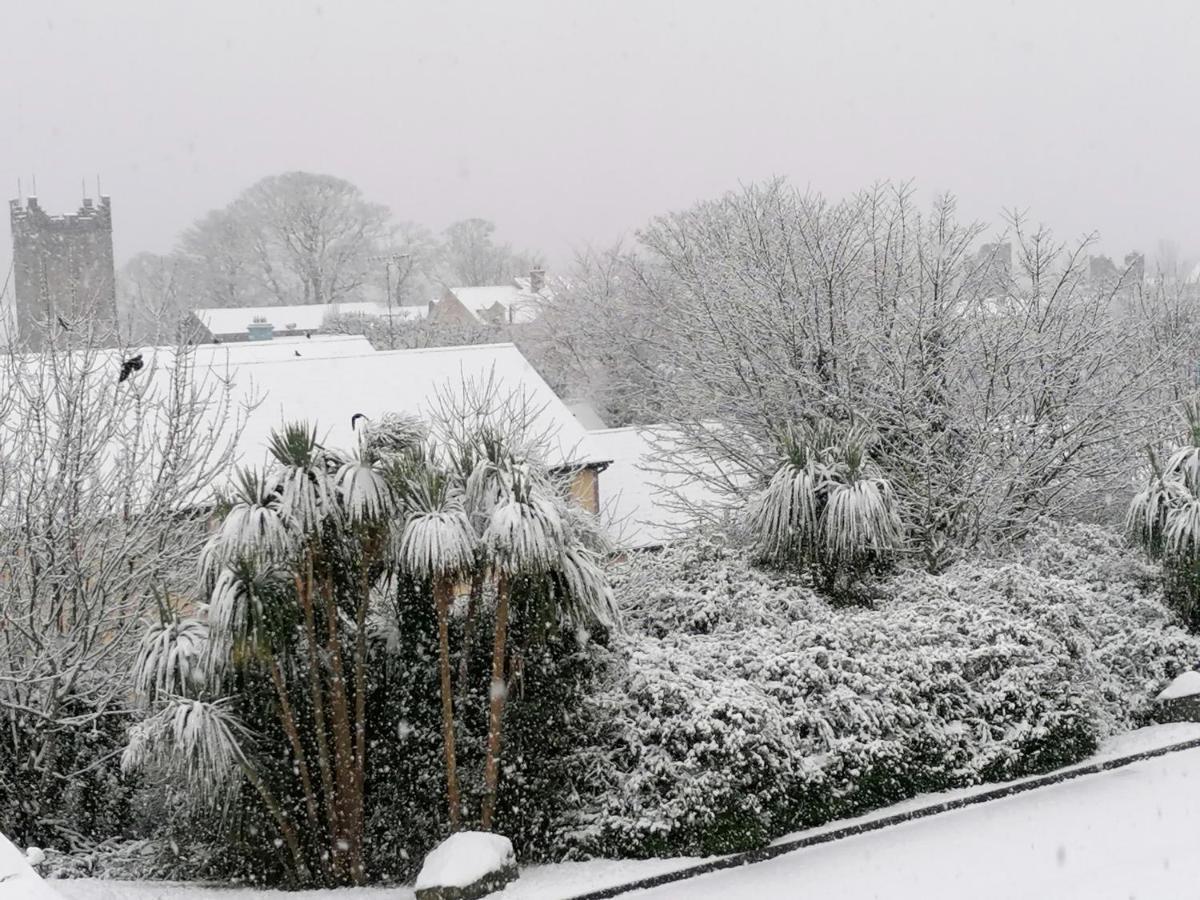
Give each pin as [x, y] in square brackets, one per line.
[574, 122]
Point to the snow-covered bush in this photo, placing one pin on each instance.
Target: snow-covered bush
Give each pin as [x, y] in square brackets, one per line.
[739, 705]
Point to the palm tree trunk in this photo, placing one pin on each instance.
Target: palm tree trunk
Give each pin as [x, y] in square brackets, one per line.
[360, 712]
[339, 708]
[442, 593]
[464, 658]
[288, 719]
[304, 587]
[286, 828]
[496, 693]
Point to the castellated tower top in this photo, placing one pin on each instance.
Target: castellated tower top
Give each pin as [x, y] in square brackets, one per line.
[63, 268]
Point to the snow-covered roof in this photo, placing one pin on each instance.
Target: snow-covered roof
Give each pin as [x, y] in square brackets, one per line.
[1185, 685]
[327, 391]
[304, 317]
[319, 346]
[516, 302]
[642, 503]
[587, 415]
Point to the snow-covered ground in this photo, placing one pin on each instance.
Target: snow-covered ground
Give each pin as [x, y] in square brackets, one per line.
[1125, 833]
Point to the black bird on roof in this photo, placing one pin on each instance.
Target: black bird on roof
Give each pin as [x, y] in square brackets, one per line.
[131, 365]
[308, 334]
[62, 323]
[216, 340]
[297, 352]
[354, 420]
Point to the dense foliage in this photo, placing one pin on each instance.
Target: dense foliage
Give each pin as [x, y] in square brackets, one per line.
[740, 705]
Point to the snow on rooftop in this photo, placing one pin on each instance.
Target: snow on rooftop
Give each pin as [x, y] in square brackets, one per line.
[328, 391]
[642, 505]
[1185, 685]
[517, 303]
[303, 317]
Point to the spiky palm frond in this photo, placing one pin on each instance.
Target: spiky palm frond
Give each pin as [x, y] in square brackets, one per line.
[1184, 464]
[363, 491]
[1182, 535]
[202, 740]
[394, 434]
[304, 494]
[169, 658]
[586, 597]
[1149, 510]
[245, 602]
[784, 516]
[524, 532]
[859, 518]
[294, 446]
[253, 526]
[437, 540]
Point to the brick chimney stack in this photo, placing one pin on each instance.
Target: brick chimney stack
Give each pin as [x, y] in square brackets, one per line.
[537, 280]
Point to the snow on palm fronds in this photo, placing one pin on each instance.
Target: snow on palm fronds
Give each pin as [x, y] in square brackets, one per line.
[1164, 518]
[825, 505]
[586, 594]
[1149, 510]
[304, 490]
[783, 517]
[525, 531]
[254, 526]
[363, 490]
[860, 510]
[243, 603]
[1183, 527]
[393, 434]
[169, 659]
[200, 740]
[437, 538]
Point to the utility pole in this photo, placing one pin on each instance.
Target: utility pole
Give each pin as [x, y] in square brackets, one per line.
[387, 261]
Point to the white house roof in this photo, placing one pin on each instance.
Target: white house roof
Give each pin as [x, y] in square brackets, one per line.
[642, 504]
[303, 317]
[319, 346]
[328, 391]
[266, 385]
[517, 303]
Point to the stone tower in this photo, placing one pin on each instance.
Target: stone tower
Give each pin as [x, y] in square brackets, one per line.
[63, 267]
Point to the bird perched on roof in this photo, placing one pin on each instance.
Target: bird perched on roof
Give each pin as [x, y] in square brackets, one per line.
[297, 352]
[308, 334]
[129, 366]
[354, 420]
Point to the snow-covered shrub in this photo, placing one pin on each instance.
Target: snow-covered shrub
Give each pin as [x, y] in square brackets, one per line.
[739, 705]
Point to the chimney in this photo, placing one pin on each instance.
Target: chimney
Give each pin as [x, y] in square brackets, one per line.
[260, 330]
[537, 280]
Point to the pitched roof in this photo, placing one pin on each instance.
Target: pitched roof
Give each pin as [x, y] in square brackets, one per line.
[517, 303]
[642, 503]
[328, 391]
[303, 317]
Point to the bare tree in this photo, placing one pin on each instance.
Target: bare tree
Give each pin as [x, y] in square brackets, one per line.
[470, 257]
[102, 486]
[154, 295]
[998, 392]
[310, 236]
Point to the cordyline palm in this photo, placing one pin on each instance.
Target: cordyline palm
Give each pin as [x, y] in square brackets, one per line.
[522, 540]
[437, 544]
[1164, 517]
[824, 507]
